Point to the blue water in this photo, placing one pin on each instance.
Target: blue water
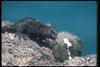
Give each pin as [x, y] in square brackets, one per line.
[79, 18]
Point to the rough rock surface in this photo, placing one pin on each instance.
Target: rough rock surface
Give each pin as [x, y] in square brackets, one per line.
[89, 60]
[7, 26]
[17, 52]
[4, 23]
[75, 43]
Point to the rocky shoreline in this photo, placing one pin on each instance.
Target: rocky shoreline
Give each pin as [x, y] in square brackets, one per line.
[22, 52]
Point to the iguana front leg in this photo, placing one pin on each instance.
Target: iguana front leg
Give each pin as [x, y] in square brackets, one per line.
[20, 35]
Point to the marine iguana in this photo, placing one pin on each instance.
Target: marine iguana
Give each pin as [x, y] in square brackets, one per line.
[31, 27]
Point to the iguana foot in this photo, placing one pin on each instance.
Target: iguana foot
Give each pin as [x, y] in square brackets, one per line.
[23, 36]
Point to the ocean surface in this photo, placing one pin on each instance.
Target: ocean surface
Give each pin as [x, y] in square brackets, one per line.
[76, 17]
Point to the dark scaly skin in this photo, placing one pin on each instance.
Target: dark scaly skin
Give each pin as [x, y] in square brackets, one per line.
[32, 28]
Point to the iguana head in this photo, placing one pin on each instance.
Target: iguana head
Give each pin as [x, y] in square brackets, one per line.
[48, 32]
